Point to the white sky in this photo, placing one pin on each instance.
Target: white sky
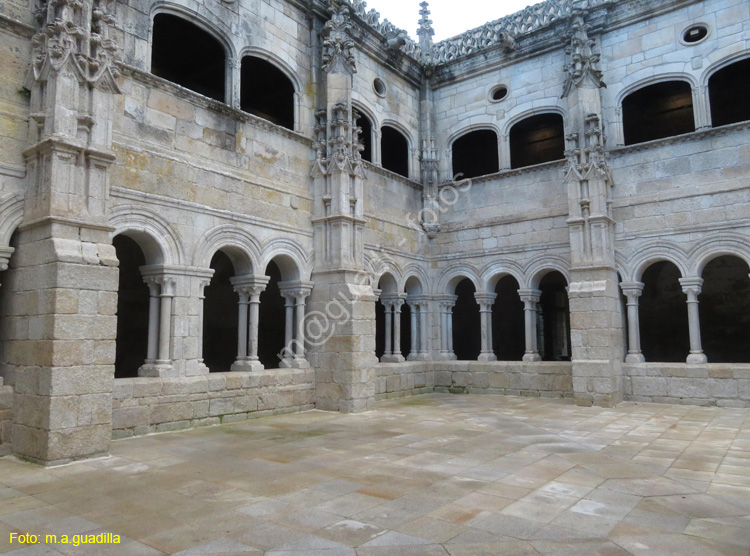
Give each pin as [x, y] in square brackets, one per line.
[449, 17]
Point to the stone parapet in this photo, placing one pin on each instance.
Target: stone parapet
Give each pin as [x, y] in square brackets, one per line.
[712, 384]
[146, 405]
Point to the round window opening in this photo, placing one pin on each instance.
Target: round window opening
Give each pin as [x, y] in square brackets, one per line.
[695, 34]
[379, 87]
[499, 93]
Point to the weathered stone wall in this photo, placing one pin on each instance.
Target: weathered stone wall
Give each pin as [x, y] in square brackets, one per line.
[514, 378]
[723, 385]
[146, 405]
[6, 418]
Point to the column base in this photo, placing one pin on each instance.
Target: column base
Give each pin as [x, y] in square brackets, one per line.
[285, 364]
[697, 359]
[447, 356]
[635, 358]
[531, 357]
[158, 369]
[487, 357]
[392, 359]
[300, 364]
[419, 357]
[246, 366]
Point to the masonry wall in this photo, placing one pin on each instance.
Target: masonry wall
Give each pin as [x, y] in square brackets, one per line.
[146, 405]
[6, 419]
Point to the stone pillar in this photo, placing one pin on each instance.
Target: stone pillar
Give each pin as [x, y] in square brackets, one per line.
[414, 348]
[162, 287]
[392, 303]
[530, 300]
[249, 289]
[201, 367]
[300, 295]
[288, 353]
[692, 287]
[486, 300]
[153, 320]
[633, 291]
[424, 350]
[446, 326]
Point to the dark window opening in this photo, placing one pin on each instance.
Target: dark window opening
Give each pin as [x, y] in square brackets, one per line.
[662, 312]
[729, 94]
[405, 330]
[379, 329]
[536, 140]
[394, 149]
[725, 311]
[475, 154]
[696, 33]
[467, 334]
[220, 316]
[272, 320]
[508, 323]
[365, 137]
[658, 111]
[189, 56]
[266, 92]
[499, 93]
[132, 309]
[553, 324]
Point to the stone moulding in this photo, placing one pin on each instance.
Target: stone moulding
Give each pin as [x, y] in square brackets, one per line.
[17, 27]
[684, 138]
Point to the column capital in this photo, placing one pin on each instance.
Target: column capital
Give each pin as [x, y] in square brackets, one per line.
[485, 298]
[295, 289]
[691, 286]
[530, 295]
[632, 289]
[447, 300]
[249, 284]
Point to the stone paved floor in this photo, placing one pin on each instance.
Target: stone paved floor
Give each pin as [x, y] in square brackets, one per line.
[436, 474]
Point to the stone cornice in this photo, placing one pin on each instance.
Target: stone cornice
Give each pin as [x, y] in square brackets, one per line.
[391, 175]
[511, 172]
[684, 138]
[17, 27]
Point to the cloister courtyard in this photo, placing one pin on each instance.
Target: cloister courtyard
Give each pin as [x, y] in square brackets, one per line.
[437, 474]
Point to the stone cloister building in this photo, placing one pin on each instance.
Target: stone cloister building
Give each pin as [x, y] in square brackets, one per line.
[217, 209]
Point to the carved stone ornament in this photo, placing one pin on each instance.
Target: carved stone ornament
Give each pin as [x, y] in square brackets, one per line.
[338, 46]
[75, 34]
[583, 62]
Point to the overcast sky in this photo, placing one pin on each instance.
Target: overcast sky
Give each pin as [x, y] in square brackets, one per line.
[449, 17]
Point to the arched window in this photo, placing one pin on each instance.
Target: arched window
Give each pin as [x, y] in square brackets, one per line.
[132, 308]
[508, 321]
[663, 314]
[394, 149]
[729, 93]
[220, 316]
[554, 314]
[657, 111]
[475, 154]
[725, 310]
[467, 330]
[189, 56]
[266, 92]
[537, 139]
[271, 334]
[366, 136]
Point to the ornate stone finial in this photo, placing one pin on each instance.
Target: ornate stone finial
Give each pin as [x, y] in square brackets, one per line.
[337, 44]
[583, 62]
[425, 30]
[76, 32]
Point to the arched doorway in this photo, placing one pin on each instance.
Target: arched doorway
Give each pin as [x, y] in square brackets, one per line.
[467, 334]
[508, 321]
[725, 310]
[663, 315]
[554, 313]
[272, 320]
[220, 316]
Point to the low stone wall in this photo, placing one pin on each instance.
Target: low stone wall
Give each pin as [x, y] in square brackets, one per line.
[404, 379]
[145, 405]
[714, 384]
[549, 379]
[6, 418]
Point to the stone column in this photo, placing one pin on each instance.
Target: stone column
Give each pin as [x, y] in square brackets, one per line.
[252, 340]
[202, 368]
[242, 325]
[423, 339]
[486, 301]
[153, 319]
[633, 291]
[388, 332]
[288, 353]
[249, 289]
[414, 348]
[530, 300]
[165, 320]
[299, 353]
[397, 329]
[692, 287]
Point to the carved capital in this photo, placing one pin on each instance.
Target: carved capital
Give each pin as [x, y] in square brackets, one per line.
[337, 44]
